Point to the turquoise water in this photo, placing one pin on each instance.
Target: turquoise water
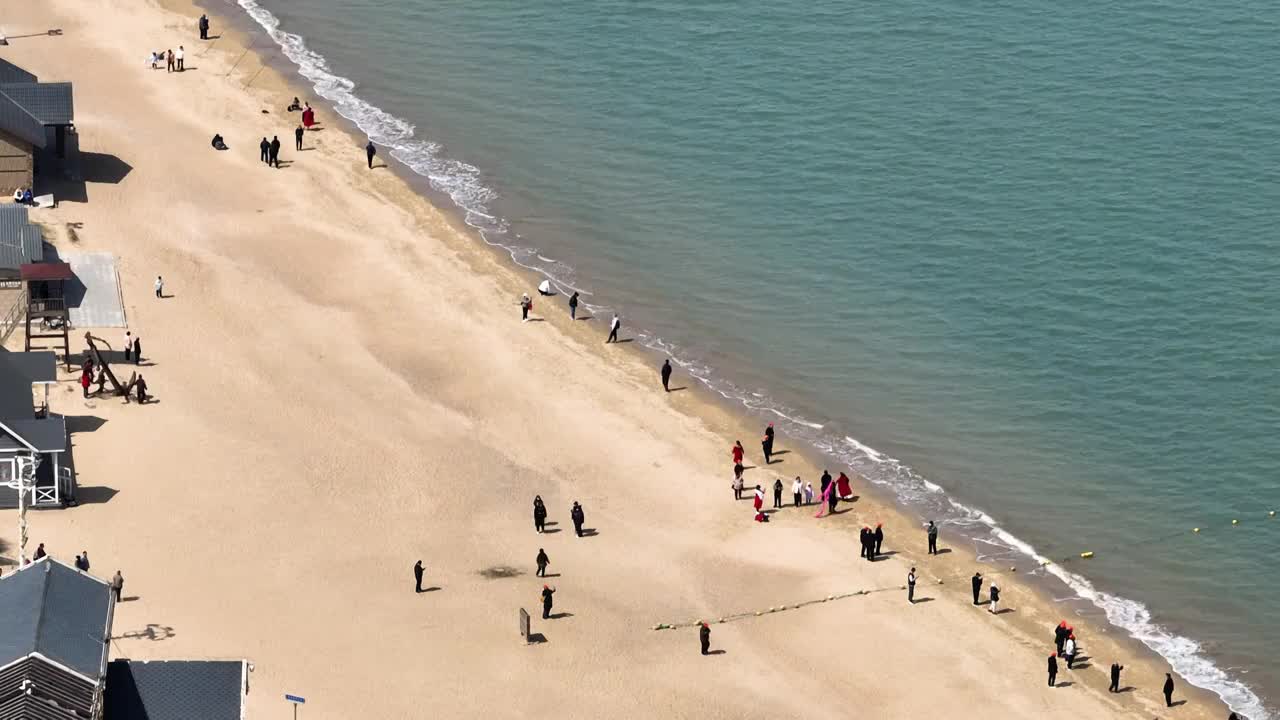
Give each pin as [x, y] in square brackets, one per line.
[1025, 251]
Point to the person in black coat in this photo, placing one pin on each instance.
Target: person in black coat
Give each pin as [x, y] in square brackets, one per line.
[933, 538]
[543, 561]
[977, 588]
[264, 150]
[539, 514]
[777, 493]
[1060, 636]
[704, 636]
[547, 592]
[417, 576]
[370, 151]
[204, 27]
[1168, 689]
[767, 444]
[1053, 669]
[862, 540]
[275, 152]
[137, 350]
[666, 375]
[578, 517]
[1115, 677]
[297, 136]
[878, 536]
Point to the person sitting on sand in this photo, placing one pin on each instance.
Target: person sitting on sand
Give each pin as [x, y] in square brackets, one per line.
[295, 106]
[218, 142]
[17, 195]
[544, 288]
[27, 197]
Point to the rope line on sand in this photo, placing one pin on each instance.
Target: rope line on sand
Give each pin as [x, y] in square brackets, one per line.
[941, 580]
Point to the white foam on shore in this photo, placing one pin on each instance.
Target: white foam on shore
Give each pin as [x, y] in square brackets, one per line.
[465, 186]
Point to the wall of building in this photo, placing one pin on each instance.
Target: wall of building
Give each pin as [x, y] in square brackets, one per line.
[17, 164]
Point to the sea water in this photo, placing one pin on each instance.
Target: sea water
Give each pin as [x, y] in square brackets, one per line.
[1014, 262]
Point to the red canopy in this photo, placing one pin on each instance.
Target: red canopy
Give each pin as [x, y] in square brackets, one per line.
[46, 271]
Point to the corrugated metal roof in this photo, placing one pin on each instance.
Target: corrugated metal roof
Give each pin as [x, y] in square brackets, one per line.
[56, 611]
[19, 239]
[174, 690]
[10, 73]
[50, 103]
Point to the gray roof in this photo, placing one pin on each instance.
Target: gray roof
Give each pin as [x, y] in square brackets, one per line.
[49, 103]
[45, 435]
[15, 120]
[10, 73]
[174, 690]
[58, 612]
[18, 371]
[20, 241]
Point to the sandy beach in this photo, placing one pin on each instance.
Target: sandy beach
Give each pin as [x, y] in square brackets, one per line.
[343, 386]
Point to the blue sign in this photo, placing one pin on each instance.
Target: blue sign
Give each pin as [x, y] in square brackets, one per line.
[295, 699]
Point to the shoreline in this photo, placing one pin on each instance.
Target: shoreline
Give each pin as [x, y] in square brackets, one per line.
[1042, 582]
[701, 410]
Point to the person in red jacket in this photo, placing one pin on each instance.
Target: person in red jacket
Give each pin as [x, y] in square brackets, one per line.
[738, 452]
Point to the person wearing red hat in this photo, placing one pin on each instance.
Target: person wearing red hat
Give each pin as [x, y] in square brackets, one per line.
[767, 444]
[1060, 636]
[704, 636]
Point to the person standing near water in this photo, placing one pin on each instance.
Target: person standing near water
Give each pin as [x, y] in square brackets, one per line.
[977, 587]
[666, 374]
[1053, 669]
[933, 538]
[526, 304]
[297, 137]
[1168, 689]
[573, 306]
[777, 493]
[878, 536]
[767, 444]
[418, 570]
[704, 637]
[1115, 677]
[614, 325]
[993, 604]
[369, 150]
[204, 27]
[1069, 650]
[808, 493]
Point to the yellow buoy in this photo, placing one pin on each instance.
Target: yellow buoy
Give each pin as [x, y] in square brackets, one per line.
[1086, 555]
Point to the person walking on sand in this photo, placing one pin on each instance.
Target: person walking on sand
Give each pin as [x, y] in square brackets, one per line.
[86, 379]
[298, 132]
[179, 56]
[911, 586]
[417, 576]
[159, 287]
[1069, 650]
[369, 151]
[808, 493]
[1168, 689]
[1115, 678]
[526, 304]
[539, 516]
[737, 482]
[1053, 669]
[666, 374]
[543, 561]
[547, 592]
[264, 150]
[704, 637]
[777, 493]
[614, 325]
[275, 152]
[738, 452]
[168, 60]
[128, 346]
[767, 444]
[579, 518]
[994, 603]
[878, 536]
[797, 490]
[573, 306]
[117, 585]
[976, 581]
[141, 388]
[204, 27]
[933, 538]
[137, 349]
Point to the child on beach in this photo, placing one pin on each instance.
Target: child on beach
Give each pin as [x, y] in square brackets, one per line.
[526, 305]
[808, 493]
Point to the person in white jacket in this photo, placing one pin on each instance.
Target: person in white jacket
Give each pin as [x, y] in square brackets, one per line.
[1069, 650]
[797, 489]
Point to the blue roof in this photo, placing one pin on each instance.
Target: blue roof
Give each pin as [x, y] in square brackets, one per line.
[10, 73]
[174, 690]
[49, 103]
[58, 612]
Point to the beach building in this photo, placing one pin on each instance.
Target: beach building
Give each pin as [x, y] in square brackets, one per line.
[55, 644]
[33, 441]
[34, 116]
[32, 282]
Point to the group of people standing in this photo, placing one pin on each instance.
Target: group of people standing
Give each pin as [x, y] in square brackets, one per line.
[579, 518]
